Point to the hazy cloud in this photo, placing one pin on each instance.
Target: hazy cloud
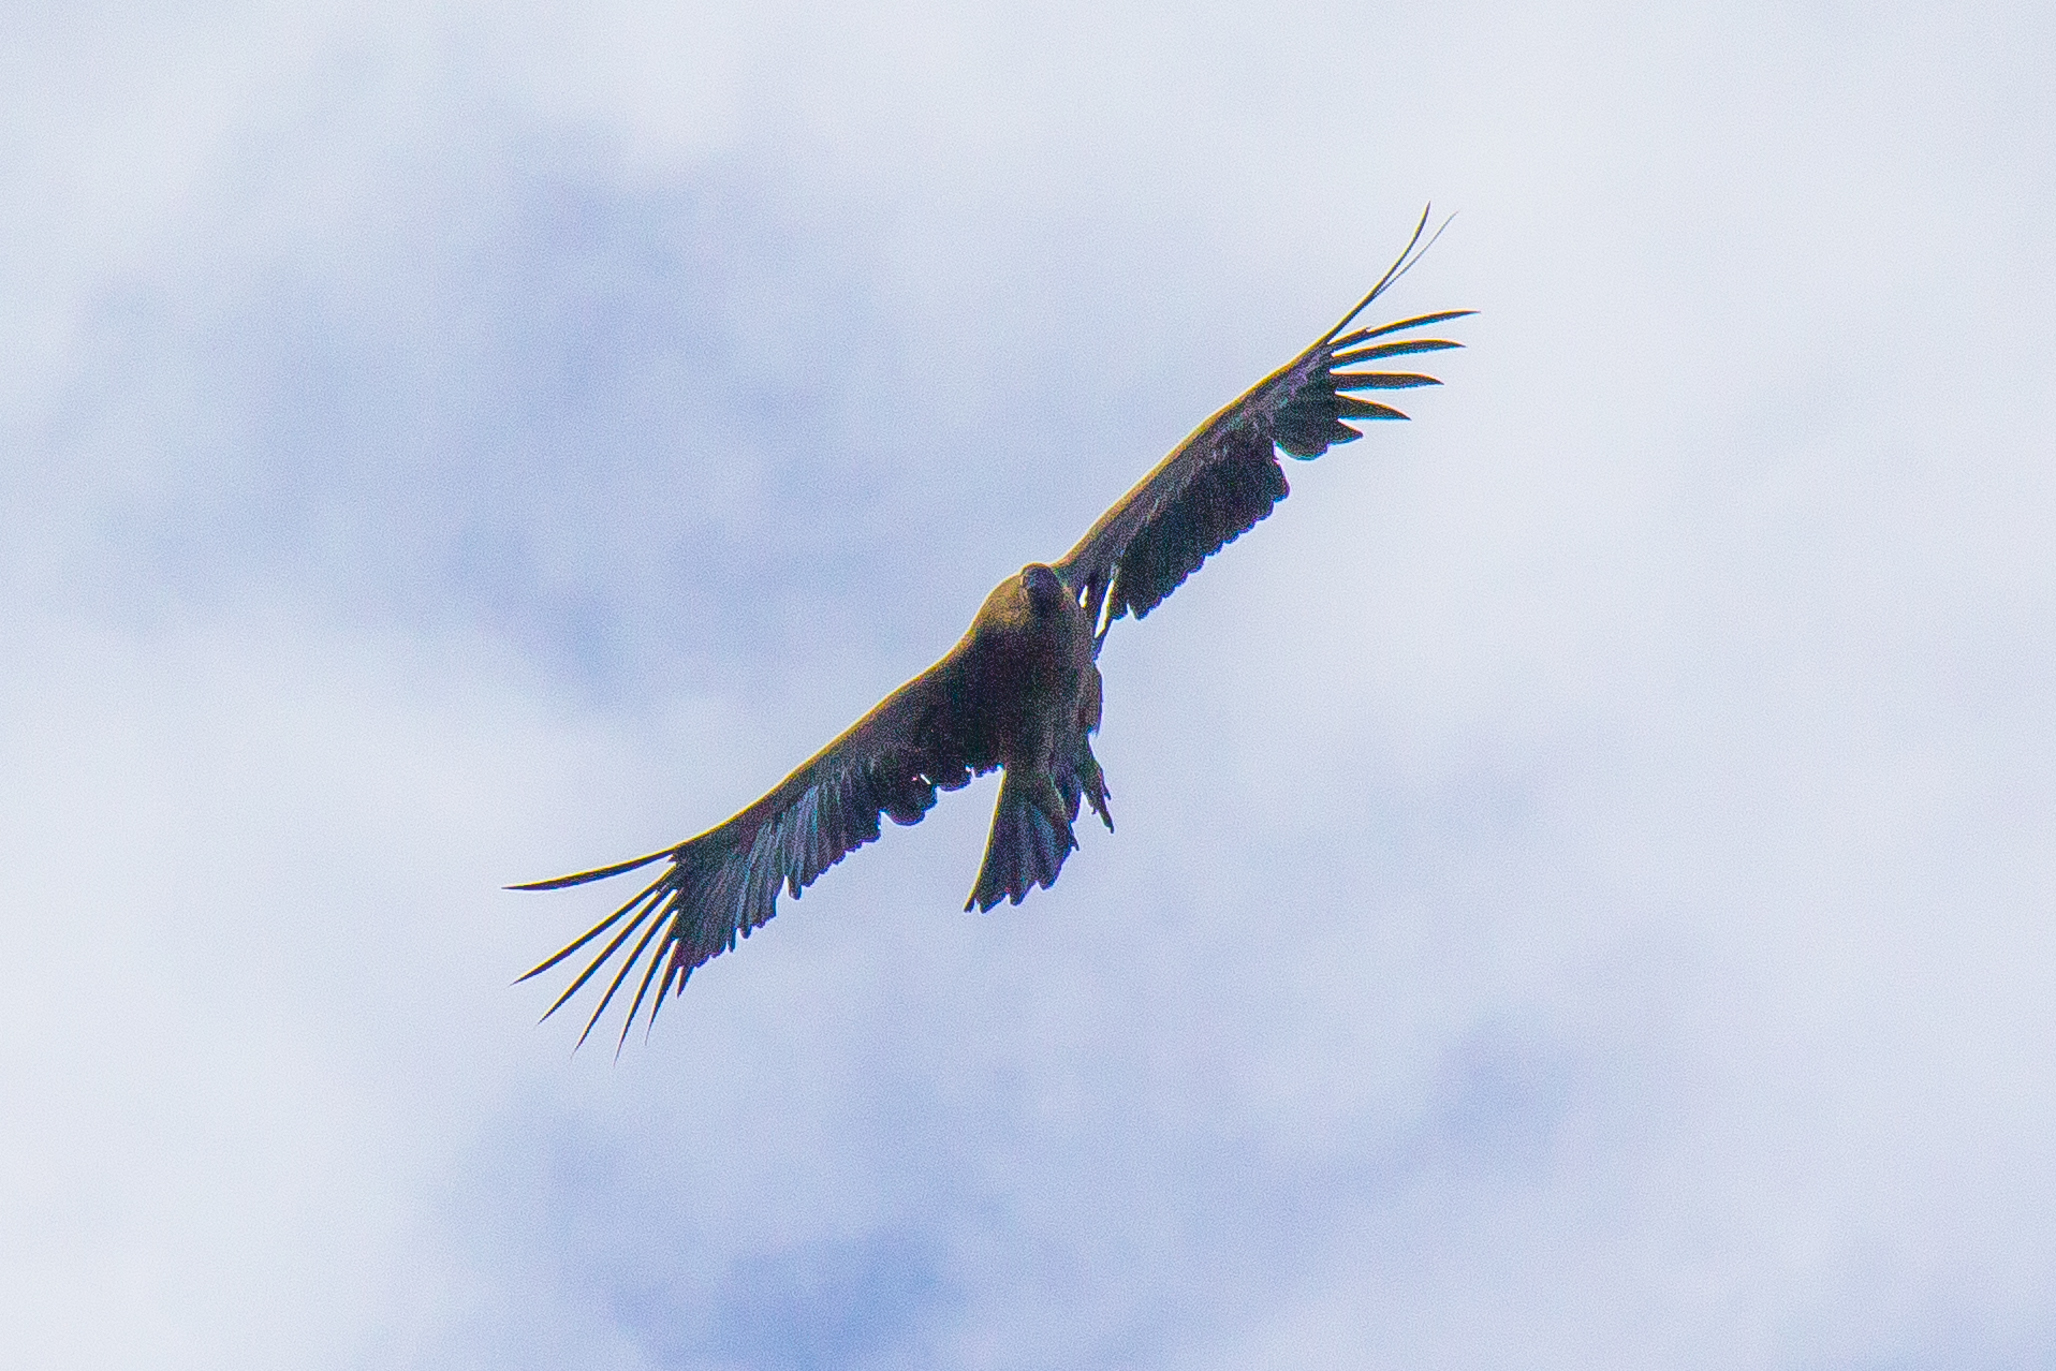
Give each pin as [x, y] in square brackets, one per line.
[1583, 892]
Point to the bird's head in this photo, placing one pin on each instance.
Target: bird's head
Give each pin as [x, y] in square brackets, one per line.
[1045, 589]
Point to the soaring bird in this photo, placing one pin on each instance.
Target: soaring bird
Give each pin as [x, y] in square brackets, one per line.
[1020, 691]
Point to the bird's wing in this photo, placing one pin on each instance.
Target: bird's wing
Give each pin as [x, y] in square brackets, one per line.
[1220, 481]
[724, 884]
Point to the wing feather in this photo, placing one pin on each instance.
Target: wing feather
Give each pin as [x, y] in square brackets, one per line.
[724, 884]
[1224, 478]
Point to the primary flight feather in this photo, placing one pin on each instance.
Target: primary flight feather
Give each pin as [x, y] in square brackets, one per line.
[1020, 691]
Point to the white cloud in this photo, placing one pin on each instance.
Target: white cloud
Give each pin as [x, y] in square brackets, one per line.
[1582, 893]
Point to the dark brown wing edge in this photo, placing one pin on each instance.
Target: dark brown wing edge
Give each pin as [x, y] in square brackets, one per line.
[724, 884]
[1222, 479]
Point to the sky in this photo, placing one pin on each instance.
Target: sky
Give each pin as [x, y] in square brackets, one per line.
[1585, 893]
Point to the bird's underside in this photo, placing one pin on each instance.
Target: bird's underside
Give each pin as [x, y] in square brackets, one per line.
[1019, 692]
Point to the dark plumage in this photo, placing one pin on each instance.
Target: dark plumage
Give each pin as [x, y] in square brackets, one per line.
[1019, 691]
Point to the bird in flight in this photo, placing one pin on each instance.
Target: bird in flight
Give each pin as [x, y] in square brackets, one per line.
[1019, 692]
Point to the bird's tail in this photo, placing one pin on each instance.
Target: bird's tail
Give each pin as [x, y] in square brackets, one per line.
[1031, 836]
[1031, 827]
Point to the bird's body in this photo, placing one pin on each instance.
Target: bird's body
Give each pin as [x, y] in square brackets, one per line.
[1026, 666]
[1020, 691]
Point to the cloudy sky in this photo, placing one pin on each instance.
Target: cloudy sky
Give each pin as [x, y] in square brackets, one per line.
[1586, 885]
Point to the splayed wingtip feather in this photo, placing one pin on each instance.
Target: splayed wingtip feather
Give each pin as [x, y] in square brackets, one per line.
[598, 873]
[628, 965]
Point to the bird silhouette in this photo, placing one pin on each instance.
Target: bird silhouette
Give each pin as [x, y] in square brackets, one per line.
[1020, 691]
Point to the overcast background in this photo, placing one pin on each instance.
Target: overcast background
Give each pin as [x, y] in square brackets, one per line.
[1586, 885]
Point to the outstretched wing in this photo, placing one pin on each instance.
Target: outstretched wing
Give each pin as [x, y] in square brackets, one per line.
[724, 884]
[1220, 481]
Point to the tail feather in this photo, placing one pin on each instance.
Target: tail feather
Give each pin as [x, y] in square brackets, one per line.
[1031, 836]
